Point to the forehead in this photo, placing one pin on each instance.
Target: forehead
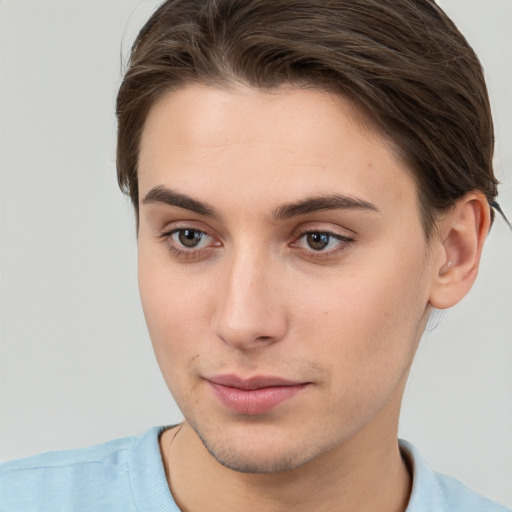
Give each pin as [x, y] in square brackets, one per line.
[267, 145]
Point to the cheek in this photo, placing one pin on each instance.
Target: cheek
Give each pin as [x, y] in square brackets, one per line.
[175, 311]
[369, 321]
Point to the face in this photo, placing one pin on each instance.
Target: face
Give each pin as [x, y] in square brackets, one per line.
[283, 271]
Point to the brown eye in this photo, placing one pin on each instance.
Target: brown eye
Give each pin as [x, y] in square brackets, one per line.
[189, 237]
[190, 244]
[318, 241]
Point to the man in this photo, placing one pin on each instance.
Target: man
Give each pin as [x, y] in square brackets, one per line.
[310, 179]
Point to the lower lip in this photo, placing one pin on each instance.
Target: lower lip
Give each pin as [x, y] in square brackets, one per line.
[255, 401]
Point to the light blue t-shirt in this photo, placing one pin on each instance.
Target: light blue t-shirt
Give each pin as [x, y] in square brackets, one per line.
[127, 475]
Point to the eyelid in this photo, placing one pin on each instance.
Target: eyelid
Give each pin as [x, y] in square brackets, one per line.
[182, 252]
[344, 242]
[327, 228]
[200, 253]
[338, 222]
[172, 231]
[182, 223]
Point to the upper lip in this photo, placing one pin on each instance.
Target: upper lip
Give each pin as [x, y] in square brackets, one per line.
[256, 382]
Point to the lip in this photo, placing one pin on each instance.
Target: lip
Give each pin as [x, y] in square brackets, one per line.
[255, 395]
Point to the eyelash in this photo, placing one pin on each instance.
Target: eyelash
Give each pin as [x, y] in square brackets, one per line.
[200, 253]
[183, 252]
[344, 240]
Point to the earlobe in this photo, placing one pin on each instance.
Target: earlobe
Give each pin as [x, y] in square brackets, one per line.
[460, 237]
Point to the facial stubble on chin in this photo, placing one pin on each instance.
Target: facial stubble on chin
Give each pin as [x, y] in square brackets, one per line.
[230, 458]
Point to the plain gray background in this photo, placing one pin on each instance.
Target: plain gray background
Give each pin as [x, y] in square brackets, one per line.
[76, 365]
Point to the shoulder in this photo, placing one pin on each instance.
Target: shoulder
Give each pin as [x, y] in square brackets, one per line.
[93, 479]
[442, 493]
[110, 452]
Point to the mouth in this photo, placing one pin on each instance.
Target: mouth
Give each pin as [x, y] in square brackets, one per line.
[256, 395]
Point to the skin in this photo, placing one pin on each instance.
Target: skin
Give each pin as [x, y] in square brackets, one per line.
[255, 298]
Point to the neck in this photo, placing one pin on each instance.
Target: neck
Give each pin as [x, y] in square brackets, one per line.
[366, 473]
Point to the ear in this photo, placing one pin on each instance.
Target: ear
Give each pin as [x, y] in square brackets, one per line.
[458, 242]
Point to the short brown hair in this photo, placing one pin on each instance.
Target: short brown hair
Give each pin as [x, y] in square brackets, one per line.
[403, 62]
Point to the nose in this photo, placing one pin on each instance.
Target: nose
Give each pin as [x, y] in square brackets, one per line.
[249, 313]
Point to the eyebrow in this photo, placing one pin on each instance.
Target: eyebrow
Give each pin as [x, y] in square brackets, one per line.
[164, 195]
[321, 203]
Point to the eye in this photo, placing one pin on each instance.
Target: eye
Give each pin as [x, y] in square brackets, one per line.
[189, 243]
[189, 238]
[322, 242]
[318, 241]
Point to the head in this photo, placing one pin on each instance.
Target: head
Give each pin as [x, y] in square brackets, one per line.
[303, 174]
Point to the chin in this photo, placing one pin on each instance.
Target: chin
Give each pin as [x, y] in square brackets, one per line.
[257, 456]
[255, 461]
